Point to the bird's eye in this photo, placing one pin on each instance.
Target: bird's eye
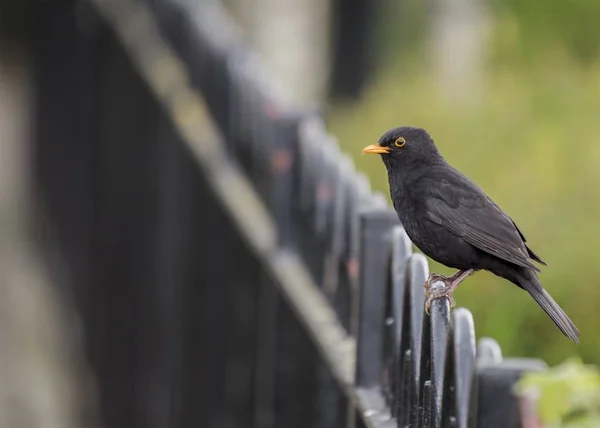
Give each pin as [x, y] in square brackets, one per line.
[400, 142]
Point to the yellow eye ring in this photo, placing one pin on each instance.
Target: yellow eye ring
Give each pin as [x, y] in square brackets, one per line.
[400, 142]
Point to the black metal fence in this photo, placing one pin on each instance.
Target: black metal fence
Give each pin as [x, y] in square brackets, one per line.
[230, 266]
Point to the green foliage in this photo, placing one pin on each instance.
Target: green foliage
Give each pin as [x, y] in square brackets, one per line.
[572, 24]
[533, 144]
[566, 396]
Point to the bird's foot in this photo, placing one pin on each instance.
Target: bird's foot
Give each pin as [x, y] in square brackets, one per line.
[450, 284]
[433, 277]
[437, 293]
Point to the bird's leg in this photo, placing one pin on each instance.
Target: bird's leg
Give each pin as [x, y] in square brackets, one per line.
[451, 283]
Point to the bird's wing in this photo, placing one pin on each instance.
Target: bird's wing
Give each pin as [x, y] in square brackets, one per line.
[533, 255]
[460, 206]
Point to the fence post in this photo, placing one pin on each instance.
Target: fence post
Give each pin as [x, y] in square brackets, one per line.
[375, 257]
[411, 343]
[463, 359]
[337, 282]
[496, 405]
[395, 302]
[284, 152]
[436, 327]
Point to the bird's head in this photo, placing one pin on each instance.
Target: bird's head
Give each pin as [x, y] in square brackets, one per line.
[405, 146]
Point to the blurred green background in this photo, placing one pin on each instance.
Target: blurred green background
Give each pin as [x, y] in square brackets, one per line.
[528, 135]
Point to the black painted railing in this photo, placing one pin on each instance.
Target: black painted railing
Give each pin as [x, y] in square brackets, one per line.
[231, 267]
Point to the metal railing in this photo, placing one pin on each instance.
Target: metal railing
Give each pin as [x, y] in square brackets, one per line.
[231, 267]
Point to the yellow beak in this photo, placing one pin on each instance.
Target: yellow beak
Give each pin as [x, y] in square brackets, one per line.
[376, 149]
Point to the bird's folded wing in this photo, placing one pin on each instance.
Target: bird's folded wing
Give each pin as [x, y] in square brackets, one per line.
[464, 210]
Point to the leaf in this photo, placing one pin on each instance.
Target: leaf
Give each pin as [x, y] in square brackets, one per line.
[567, 395]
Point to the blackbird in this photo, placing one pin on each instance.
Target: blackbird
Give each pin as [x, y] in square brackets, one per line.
[451, 220]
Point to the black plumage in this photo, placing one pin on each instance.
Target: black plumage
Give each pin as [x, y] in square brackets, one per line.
[451, 220]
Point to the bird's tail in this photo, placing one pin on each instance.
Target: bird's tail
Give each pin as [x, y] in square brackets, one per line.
[533, 286]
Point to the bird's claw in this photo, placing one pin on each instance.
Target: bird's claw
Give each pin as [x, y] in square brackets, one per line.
[427, 305]
[438, 293]
[432, 278]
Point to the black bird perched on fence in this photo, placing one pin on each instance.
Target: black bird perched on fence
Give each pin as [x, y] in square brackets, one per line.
[450, 219]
